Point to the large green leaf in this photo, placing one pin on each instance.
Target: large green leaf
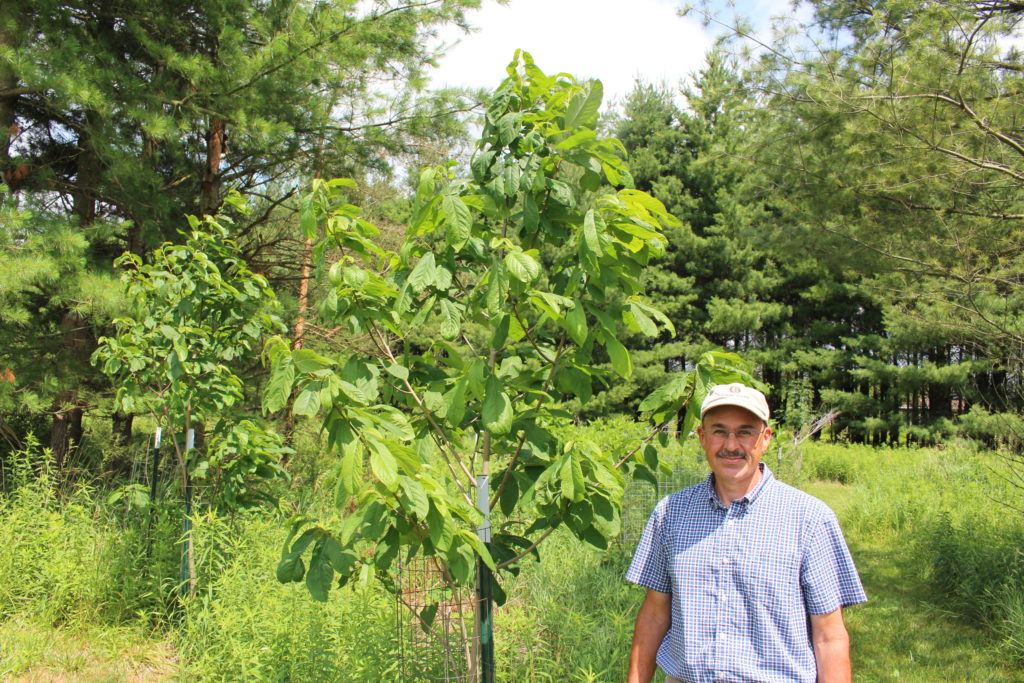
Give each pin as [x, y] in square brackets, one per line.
[637, 320]
[279, 387]
[455, 400]
[350, 479]
[307, 218]
[590, 237]
[621, 361]
[576, 323]
[522, 266]
[497, 288]
[451, 319]
[424, 274]
[416, 500]
[308, 360]
[478, 546]
[671, 393]
[307, 403]
[458, 221]
[320, 574]
[497, 408]
[441, 533]
[384, 466]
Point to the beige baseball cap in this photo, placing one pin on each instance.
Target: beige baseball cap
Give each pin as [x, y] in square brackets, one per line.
[736, 394]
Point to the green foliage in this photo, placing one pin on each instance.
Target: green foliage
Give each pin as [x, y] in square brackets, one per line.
[526, 270]
[118, 119]
[242, 627]
[103, 608]
[944, 508]
[197, 314]
[68, 557]
[894, 152]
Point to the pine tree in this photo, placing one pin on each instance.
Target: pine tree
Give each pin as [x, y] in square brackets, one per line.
[122, 118]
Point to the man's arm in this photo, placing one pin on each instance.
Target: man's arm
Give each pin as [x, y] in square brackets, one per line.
[652, 622]
[831, 647]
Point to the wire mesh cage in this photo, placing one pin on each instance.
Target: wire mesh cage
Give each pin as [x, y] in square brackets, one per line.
[641, 496]
[435, 619]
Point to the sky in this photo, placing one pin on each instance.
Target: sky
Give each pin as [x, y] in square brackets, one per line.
[616, 41]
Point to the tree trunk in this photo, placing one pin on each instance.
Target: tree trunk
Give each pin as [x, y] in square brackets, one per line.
[299, 330]
[209, 198]
[66, 433]
[9, 34]
[121, 427]
[940, 396]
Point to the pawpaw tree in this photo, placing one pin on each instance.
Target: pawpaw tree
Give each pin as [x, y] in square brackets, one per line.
[508, 294]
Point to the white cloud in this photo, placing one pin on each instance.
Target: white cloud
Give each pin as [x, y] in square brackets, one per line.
[616, 41]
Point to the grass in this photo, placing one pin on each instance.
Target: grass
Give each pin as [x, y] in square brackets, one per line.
[939, 559]
[903, 633]
[37, 651]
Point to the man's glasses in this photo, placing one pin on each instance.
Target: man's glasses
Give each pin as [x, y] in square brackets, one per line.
[745, 436]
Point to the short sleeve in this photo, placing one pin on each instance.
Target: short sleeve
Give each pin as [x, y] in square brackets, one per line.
[828, 577]
[649, 567]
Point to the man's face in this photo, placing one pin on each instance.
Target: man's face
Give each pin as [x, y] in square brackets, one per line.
[733, 439]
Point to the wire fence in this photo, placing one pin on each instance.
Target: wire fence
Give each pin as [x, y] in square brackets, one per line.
[641, 496]
[435, 622]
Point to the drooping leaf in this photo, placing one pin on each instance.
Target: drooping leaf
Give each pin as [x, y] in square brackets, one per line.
[320, 574]
[455, 400]
[522, 266]
[458, 221]
[621, 361]
[478, 546]
[307, 403]
[497, 288]
[640, 321]
[576, 323]
[279, 387]
[424, 273]
[415, 497]
[497, 408]
[384, 466]
[451, 319]
[307, 218]
[308, 360]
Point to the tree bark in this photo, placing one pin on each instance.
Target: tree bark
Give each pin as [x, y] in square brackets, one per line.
[8, 83]
[121, 427]
[66, 433]
[299, 330]
[209, 197]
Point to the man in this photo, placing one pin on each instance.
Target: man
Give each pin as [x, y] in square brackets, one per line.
[746, 577]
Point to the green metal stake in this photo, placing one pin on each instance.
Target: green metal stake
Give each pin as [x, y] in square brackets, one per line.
[190, 440]
[152, 488]
[484, 585]
[154, 478]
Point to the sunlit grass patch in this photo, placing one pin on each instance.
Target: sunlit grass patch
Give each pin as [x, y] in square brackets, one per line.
[34, 651]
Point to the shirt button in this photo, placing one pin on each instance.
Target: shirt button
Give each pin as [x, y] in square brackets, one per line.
[730, 522]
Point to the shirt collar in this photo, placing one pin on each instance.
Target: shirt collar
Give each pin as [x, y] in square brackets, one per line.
[766, 478]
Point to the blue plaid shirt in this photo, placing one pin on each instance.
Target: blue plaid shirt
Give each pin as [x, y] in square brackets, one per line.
[743, 580]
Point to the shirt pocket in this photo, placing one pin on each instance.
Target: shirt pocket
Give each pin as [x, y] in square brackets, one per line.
[770, 577]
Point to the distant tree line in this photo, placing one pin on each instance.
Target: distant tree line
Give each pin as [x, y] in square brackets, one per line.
[849, 199]
[851, 205]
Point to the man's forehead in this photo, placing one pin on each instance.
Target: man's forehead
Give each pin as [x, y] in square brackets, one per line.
[729, 416]
[743, 423]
